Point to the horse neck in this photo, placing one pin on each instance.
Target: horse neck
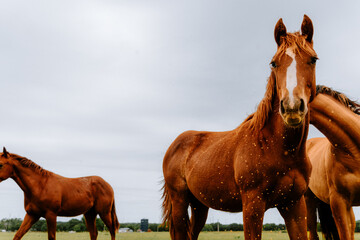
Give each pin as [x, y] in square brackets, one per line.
[266, 123]
[340, 125]
[27, 178]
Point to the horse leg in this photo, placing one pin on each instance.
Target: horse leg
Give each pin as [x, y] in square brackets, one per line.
[51, 225]
[29, 220]
[311, 214]
[198, 218]
[353, 224]
[295, 219]
[179, 223]
[342, 215]
[253, 215]
[90, 219]
[108, 223]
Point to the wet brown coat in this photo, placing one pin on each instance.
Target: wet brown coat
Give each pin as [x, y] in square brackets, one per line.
[335, 177]
[50, 195]
[259, 165]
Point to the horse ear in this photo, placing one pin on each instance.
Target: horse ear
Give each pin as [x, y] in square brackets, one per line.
[279, 32]
[5, 153]
[307, 29]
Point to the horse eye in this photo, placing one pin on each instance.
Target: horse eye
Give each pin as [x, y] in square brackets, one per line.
[273, 64]
[313, 60]
[1, 166]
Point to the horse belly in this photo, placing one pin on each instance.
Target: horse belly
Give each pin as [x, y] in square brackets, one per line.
[75, 210]
[74, 207]
[77, 201]
[223, 196]
[232, 204]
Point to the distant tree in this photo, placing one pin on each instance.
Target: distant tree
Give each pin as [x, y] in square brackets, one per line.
[213, 226]
[72, 223]
[132, 226]
[273, 227]
[208, 228]
[269, 227]
[100, 226]
[163, 228]
[62, 227]
[235, 227]
[44, 228]
[77, 225]
[80, 227]
[154, 227]
[281, 226]
[39, 226]
[3, 223]
[357, 226]
[11, 224]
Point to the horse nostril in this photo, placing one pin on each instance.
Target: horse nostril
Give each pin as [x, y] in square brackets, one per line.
[282, 109]
[302, 105]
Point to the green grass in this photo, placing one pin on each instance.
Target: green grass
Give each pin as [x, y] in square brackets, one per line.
[147, 236]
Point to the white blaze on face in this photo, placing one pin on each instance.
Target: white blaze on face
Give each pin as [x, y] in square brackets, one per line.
[291, 79]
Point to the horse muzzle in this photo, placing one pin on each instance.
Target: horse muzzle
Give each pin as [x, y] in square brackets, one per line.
[293, 114]
[293, 120]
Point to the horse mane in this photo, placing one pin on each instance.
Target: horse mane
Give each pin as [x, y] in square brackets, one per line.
[258, 119]
[340, 97]
[30, 164]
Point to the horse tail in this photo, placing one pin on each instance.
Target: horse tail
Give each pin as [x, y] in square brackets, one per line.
[327, 222]
[167, 214]
[166, 208]
[115, 222]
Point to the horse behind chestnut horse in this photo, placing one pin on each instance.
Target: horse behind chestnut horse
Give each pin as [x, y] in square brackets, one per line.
[50, 195]
[259, 165]
[335, 176]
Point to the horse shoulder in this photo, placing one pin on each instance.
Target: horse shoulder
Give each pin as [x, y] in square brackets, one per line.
[320, 157]
[344, 174]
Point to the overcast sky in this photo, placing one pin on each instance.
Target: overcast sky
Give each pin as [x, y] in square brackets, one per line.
[104, 87]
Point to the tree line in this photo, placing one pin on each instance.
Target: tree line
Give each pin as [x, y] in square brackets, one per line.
[76, 225]
[13, 224]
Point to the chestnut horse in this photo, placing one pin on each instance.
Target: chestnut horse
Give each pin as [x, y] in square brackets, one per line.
[50, 195]
[335, 177]
[259, 165]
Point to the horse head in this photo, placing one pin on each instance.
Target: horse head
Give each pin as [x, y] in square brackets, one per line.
[6, 168]
[293, 67]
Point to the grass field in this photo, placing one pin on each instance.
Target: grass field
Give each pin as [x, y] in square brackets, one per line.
[147, 236]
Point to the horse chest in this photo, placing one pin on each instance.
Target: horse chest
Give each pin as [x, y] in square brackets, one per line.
[276, 186]
[33, 208]
[289, 188]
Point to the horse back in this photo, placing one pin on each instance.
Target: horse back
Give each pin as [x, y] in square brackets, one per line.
[100, 187]
[194, 149]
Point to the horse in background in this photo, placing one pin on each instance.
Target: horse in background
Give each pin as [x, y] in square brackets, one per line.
[50, 195]
[259, 165]
[335, 176]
